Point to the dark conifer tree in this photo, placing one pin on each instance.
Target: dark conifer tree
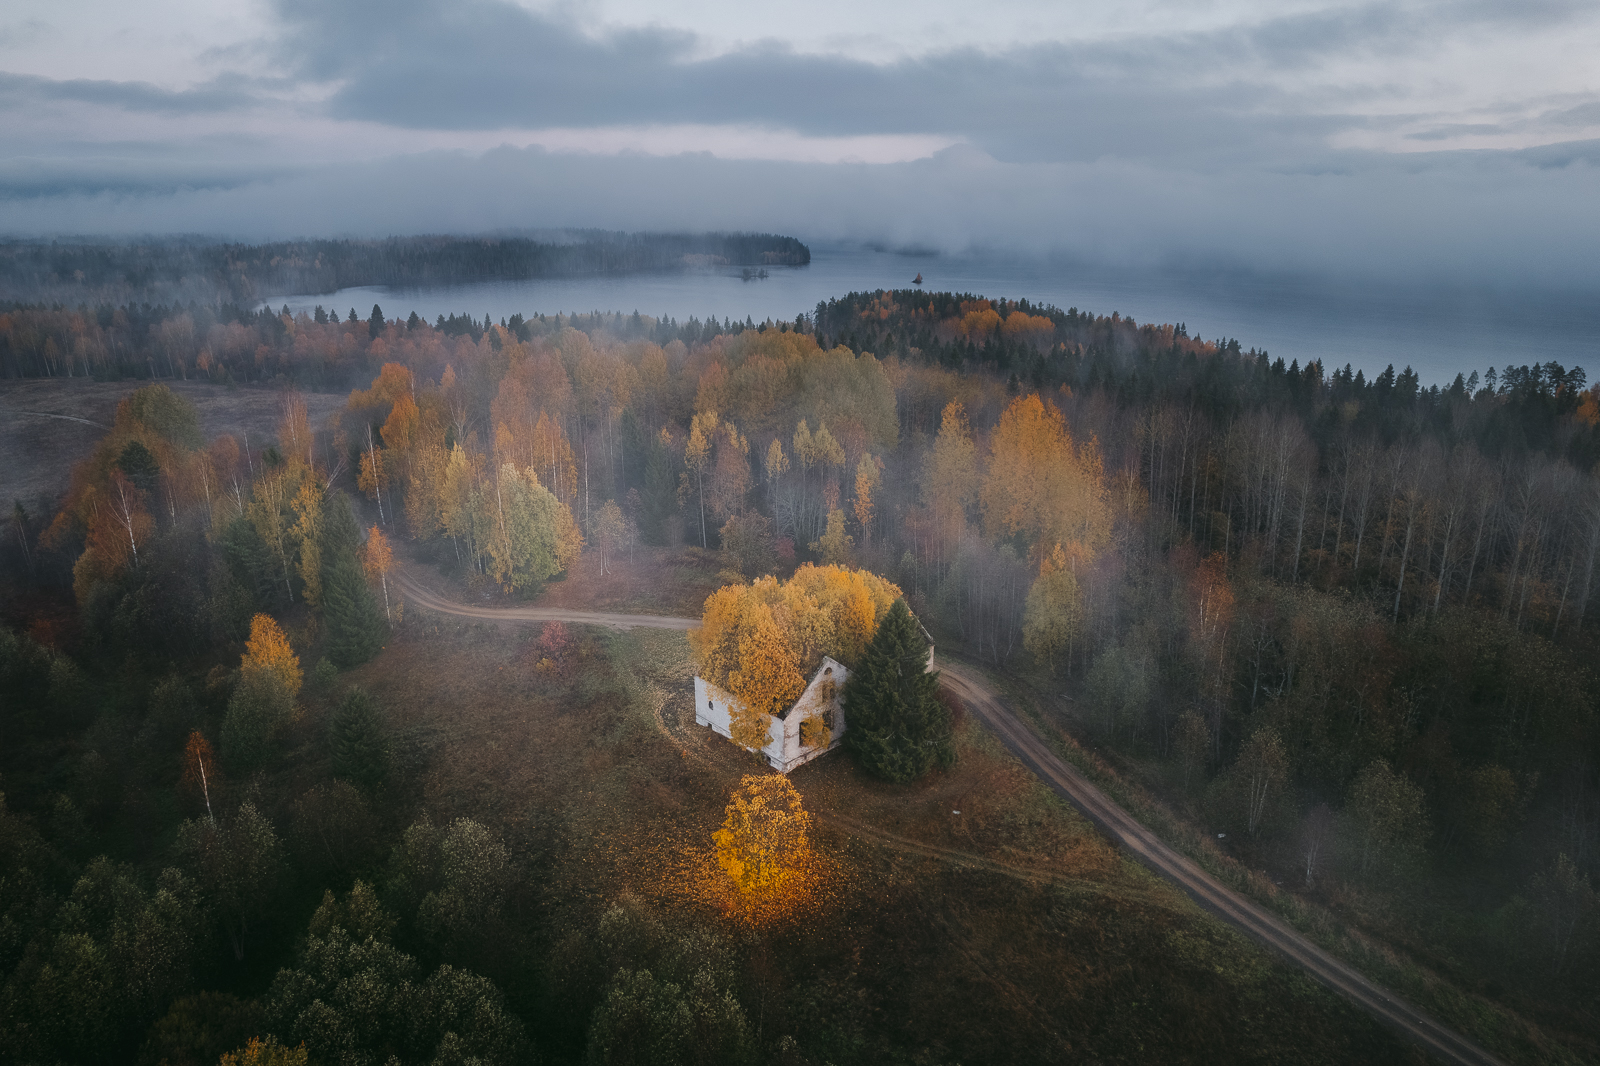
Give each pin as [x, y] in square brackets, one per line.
[140, 467]
[356, 629]
[358, 740]
[895, 725]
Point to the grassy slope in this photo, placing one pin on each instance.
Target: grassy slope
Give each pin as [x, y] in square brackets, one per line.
[1008, 933]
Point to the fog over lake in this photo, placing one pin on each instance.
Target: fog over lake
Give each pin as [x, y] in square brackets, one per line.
[1438, 331]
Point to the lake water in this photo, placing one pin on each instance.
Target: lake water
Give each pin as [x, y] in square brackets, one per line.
[1438, 331]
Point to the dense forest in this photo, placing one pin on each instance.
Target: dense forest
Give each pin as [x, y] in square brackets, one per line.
[71, 272]
[1351, 623]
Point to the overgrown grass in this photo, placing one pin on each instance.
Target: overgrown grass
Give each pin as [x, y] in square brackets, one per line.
[1011, 932]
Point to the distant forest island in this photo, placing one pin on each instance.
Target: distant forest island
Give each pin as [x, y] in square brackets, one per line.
[56, 271]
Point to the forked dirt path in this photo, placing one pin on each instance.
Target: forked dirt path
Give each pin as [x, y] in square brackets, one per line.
[1111, 819]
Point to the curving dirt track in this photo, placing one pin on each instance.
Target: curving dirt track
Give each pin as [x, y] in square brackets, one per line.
[1111, 820]
[425, 598]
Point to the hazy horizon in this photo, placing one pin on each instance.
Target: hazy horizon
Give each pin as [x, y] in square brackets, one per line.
[1450, 144]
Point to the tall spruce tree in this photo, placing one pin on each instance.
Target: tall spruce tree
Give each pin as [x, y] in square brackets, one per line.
[358, 740]
[895, 725]
[356, 629]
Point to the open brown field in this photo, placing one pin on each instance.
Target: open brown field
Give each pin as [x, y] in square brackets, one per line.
[646, 580]
[1010, 932]
[49, 424]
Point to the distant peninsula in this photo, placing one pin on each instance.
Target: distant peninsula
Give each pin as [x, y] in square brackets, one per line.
[195, 269]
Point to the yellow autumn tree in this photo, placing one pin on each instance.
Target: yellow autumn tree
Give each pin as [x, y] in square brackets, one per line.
[401, 425]
[267, 652]
[266, 1052]
[376, 560]
[307, 535]
[697, 457]
[424, 490]
[374, 473]
[759, 642]
[868, 473]
[1042, 486]
[835, 543]
[553, 456]
[950, 477]
[764, 846]
[393, 381]
[1053, 617]
[766, 680]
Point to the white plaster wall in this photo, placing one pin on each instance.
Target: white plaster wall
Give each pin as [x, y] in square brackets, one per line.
[784, 751]
[713, 707]
[811, 702]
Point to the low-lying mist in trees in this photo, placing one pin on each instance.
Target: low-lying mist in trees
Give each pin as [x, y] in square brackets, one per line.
[1350, 623]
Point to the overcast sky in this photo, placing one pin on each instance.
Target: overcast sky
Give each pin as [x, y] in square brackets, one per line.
[1445, 140]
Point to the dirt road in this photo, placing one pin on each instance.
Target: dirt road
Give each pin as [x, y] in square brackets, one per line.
[1111, 819]
[424, 598]
[1211, 894]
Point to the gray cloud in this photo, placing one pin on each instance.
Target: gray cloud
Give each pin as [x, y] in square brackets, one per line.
[21, 34]
[1182, 148]
[490, 64]
[1455, 129]
[483, 65]
[1438, 217]
[19, 90]
[1582, 115]
[487, 64]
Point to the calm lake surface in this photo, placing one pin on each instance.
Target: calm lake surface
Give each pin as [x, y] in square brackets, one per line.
[1437, 331]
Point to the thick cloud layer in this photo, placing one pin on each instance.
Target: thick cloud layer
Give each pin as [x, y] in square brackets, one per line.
[1443, 219]
[1447, 140]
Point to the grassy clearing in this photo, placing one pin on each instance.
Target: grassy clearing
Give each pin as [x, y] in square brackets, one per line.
[37, 453]
[1008, 933]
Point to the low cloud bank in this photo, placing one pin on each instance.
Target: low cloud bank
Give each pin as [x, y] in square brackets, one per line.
[1499, 218]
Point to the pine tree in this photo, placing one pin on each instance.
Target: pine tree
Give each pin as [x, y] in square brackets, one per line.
[140, 466]
[356, 629]
[895, 725]
[358, 740]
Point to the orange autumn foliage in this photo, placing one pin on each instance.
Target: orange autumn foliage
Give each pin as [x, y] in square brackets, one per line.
[393, 381]
[378, 556]
[765, 679]
[759, 642]
[1031, 329]
[764, 850]
[1589, 407]
[401, 425]
[201, 776]
[978, 325]
[268, 652]
[1213, 598]
[1042, 485]
[266, 1052]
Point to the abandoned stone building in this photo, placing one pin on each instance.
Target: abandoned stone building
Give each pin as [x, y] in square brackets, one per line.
[786, 748]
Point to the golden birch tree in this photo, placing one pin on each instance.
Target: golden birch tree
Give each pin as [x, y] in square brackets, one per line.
[376, 559]
[868, 472]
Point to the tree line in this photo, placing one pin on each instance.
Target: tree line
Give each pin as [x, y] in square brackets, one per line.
[210, 271]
